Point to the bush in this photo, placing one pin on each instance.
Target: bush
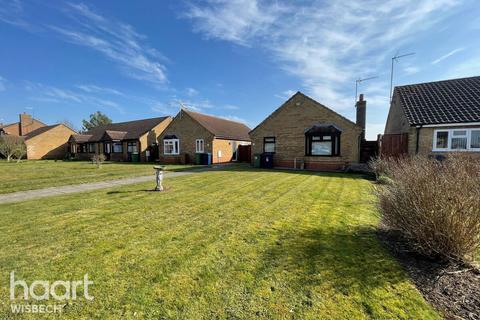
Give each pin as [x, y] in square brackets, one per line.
[436, 205]
[98, 159]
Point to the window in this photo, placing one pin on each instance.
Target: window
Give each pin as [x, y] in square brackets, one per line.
[199, 146]
[269, 144]
[73, 148]
[475, 139]
[107, 147]
[117, 147]
[323, 145]
[91, 148]
[171, 146]
[456, 140]
[132, 147]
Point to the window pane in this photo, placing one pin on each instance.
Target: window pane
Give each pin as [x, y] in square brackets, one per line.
[316, 138]
[117, 147]
[269, 147]
[460, 133]
[323, 148]
[475, 139]
[442, 139]
[459, 143]
[327, 138]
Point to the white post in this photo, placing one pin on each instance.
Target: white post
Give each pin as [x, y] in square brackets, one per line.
[159, 178]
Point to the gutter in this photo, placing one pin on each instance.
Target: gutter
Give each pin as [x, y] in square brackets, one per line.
[417, 143]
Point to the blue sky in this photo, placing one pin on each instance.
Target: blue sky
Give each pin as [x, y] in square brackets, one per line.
[235, 59]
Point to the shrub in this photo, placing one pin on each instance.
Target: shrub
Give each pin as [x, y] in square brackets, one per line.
[12, 147]
[98, 159]
[436, 205]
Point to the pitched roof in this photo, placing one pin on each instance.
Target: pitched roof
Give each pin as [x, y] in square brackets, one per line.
[80, 138]
[447, 101]
[221, 128]
[315, 102]
[129, 130]
[39, 131]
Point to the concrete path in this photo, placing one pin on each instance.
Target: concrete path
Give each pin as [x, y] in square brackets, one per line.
[55, 191]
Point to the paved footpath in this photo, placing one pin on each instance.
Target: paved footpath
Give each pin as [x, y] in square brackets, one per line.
[55, 191]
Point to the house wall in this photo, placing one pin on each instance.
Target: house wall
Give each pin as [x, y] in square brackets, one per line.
[426, 140]
[51, 144]
[187, 131]
[397, 122]
[151, 138]
[288, 125]
[227, 148]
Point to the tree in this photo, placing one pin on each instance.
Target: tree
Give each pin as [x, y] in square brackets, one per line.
[96, 119]
[12, 147]
[69, 124]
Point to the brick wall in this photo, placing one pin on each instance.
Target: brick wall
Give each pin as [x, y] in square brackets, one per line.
[187, 131]
[288, 124]
[51, 144]
[152, 137]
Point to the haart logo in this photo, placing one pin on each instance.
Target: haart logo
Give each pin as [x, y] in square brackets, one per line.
[41, 290]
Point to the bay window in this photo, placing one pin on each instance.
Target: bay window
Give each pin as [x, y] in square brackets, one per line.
[323, 140]
[456, 140]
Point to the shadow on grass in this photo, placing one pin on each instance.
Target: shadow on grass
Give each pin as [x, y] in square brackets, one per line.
[350, 262]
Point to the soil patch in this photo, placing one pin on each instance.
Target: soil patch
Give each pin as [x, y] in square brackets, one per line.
[452, 288]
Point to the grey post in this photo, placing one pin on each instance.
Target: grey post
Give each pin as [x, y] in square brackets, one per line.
[159, 177]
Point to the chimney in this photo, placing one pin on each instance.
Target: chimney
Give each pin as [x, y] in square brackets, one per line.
[361, 106]
[25, 123]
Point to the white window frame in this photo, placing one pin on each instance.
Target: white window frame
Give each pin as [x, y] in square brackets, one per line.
[199, 143]
[449, 141]
[176, 146]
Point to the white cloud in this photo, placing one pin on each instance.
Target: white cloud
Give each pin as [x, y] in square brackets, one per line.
[91, 88]
[53, 94]
[373, 129]
[115, 40]
[411, 70]
[285, 94]
[235, 118]
[231, 107]
[191, 92]
[326, 44]
[451, 53]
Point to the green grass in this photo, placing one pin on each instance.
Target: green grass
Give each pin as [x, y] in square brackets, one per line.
[29, 175]
[240, 244]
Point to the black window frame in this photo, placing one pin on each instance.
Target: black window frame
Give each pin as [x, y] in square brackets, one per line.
[274, 144]
[117, 143]
[91, 148]
[335, 141]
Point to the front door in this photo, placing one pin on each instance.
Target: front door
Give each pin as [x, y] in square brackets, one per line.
[107, 150]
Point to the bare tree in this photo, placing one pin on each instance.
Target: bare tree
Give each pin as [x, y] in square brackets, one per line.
[12, 147]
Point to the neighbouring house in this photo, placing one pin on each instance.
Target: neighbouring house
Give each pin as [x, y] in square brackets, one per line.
[434, 118]
[302, 133]
[192, 132]
[26, 124]
[42, 141]
[48, 142]
[123, 141]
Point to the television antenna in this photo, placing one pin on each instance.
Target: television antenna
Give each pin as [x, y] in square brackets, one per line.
[394, 59]
[358, 81]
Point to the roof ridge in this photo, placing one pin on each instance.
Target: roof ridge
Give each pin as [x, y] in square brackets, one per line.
[212, 116]
[437, 81]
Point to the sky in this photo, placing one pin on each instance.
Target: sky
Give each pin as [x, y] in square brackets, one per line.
[237, 59]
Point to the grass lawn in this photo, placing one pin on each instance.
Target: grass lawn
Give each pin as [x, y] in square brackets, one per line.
[29, 175]
[241, 244]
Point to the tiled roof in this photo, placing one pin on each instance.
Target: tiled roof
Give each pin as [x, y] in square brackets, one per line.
[448, 101]
[38, 131]
[221, 128]
[129, 130]
[80, 138]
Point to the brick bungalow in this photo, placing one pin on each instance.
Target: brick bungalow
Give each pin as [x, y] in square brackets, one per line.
[123, 141]
[435, 118]
[192, 132]
[26, 124]
[302, 133]
[42, 141]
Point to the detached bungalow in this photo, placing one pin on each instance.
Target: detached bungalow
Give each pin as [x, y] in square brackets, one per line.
[192, 132]
[123, 141]
[434, 118]
[303, 133]
[42, 141]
